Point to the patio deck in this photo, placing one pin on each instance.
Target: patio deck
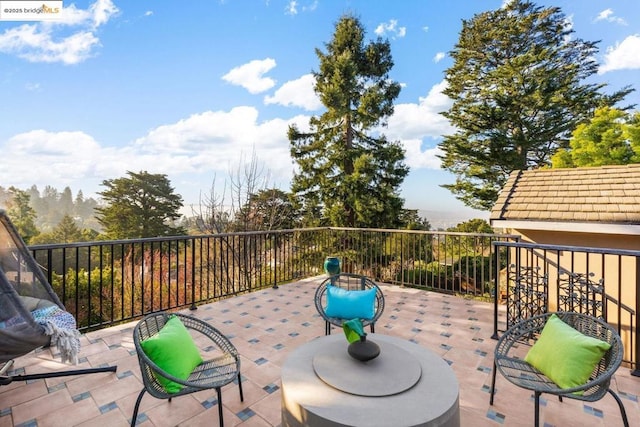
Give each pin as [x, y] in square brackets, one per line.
[265, 326]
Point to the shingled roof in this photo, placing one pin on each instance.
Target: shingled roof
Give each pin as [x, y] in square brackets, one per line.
[602, 195]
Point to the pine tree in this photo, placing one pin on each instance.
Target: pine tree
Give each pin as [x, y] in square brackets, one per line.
[140, 205]
[349, 174]
[518, 88]
[21, 214]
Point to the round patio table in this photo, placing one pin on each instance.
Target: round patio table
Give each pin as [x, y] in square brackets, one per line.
[407, 385]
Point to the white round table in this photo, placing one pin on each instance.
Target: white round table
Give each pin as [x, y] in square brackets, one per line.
[407, 385]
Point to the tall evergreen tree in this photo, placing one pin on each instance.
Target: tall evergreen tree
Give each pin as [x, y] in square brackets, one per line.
[518, 88]
[140, 205]
[349, 174]
[21, 214]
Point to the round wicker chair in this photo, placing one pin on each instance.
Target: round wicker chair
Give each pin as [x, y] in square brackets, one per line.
[223, 366]
[512, 347]
[350, 282]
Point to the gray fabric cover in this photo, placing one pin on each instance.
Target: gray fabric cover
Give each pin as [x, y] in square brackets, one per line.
[23, 289]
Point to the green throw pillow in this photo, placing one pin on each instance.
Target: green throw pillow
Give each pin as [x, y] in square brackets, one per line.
[566, 356]
[174, 351]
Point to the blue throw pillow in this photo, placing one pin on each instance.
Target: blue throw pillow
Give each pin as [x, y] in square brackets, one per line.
[345, 304]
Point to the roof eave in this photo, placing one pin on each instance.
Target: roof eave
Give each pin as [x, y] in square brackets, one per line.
[565, 226]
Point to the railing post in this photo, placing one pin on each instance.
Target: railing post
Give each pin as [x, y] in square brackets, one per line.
[634, 334]
[496, 290]
[193, 275]
[275, 261]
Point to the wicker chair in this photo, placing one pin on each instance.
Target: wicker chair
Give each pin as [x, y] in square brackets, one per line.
[221, 368]
[512, 346]
[349, 282]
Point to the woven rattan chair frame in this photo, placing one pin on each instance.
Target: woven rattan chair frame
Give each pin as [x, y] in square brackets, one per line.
[522, 374]
[350, 282]
[214, 373]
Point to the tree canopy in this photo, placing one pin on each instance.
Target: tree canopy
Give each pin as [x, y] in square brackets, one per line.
[21, 214]
[348, 174]
[518, 89]
[268, 209]
[611, 137]
[139, 205]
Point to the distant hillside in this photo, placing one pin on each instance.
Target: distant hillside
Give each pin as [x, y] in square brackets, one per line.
[441, 220]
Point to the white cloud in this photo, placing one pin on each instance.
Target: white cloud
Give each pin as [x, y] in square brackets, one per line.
[439, 57]
[38, 155]
[51, 41]
[392, 28]
[608, 15]
[416, 121]
[624, 56]
[250, 75]
[214, 140]
[297, 93]
[313, 6]
[411, 124]
[291, 8]
[416, 158]
[32, 87]
[194, 150]
[205, 144]
[102, 11]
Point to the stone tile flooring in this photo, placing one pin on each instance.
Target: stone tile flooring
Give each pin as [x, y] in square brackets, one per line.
[265, 326]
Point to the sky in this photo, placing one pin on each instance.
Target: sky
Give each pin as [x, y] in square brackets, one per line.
[194, 89]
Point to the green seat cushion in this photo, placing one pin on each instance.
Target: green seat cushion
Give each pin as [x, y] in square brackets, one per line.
[174, 351]
[566, 356]
[344, 304]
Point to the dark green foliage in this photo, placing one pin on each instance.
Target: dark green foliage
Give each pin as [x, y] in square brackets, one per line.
[347, 175]
[140, 205]
[268, 209]
[466, 275]
[518, 85]
[410, 220]
[21, 214]
[67, 231]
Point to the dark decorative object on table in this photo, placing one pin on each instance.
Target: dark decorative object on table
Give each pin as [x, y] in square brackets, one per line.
[363, 350]
[332, 265]
[359, 348]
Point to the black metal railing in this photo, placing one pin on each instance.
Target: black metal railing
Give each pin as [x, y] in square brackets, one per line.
[537, 278]
[108, 282]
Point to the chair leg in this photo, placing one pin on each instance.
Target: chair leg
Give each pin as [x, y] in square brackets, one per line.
[493, 383]
[536, 422]
[625, 420]
[373, 328]
[240, 386]
[327, 328]
[219, 392]
[135, 409]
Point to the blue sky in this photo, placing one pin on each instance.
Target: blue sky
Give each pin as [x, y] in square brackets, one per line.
[190, 89]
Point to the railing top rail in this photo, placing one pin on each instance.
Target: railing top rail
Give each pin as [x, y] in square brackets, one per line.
[453, 233]
[585, 249]
[164, 238]
[256, 233]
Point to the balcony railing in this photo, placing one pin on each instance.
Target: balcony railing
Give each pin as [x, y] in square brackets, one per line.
[108, 282]
[537, 278]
